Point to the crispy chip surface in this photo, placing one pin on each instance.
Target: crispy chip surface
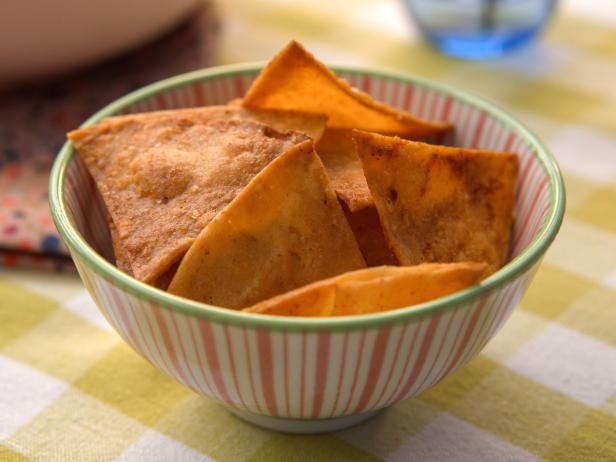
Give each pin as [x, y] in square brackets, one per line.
[294, 79]
[284, 230]
[311, 124]
[164, 179]
[440, 204]
[374, 290]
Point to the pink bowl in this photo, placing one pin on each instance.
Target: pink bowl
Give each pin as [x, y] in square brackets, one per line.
[306, 374]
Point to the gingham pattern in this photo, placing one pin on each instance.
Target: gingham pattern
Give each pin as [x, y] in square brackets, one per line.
[544, 387]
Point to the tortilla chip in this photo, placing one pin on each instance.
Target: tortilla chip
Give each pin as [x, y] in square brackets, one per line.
[374, 290]
[368, 232]
[337, 151]
[294, 79]
[284, 230]
[440, 204]
[164, 179]
[310, 124]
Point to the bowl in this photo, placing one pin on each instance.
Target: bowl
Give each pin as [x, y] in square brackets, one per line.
[45, 38]
[313, 374]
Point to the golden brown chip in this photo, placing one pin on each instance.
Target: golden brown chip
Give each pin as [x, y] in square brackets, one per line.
[164, 179]
[337, 151]
[440, 204]
[284, 230]
[368, 232]
[373, 290]
[310, 124]
[294, 79]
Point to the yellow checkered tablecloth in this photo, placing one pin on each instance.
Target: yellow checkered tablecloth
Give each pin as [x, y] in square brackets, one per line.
[544, 388]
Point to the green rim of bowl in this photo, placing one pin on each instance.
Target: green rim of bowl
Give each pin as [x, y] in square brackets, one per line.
[515, 267]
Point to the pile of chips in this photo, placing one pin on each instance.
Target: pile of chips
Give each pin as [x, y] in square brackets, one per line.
[304, 198]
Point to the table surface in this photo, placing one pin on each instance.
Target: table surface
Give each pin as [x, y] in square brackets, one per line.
[544, 388]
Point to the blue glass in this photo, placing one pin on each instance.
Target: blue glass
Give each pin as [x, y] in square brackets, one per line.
[478, 29]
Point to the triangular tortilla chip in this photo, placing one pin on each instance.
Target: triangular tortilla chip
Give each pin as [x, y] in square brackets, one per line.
[310, 124]
[284, 230]
[164, 179]
[440, 204]
[373, 290]
[294, 79]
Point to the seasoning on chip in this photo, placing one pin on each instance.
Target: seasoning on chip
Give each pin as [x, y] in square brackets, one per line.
[311, 124]
[374, 290]
[294, 79]
[440, 204]
[163, 180]
[284, 230]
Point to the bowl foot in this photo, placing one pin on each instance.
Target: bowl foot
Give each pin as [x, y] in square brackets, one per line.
[285, 425]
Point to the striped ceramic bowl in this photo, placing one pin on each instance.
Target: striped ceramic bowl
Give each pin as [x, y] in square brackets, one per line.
[301, 374]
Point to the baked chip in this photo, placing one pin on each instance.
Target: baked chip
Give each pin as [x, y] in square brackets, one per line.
[311, 124]
[440, 204]
[374, 290]
[284, 230]
[163, 179]
[294, 79]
